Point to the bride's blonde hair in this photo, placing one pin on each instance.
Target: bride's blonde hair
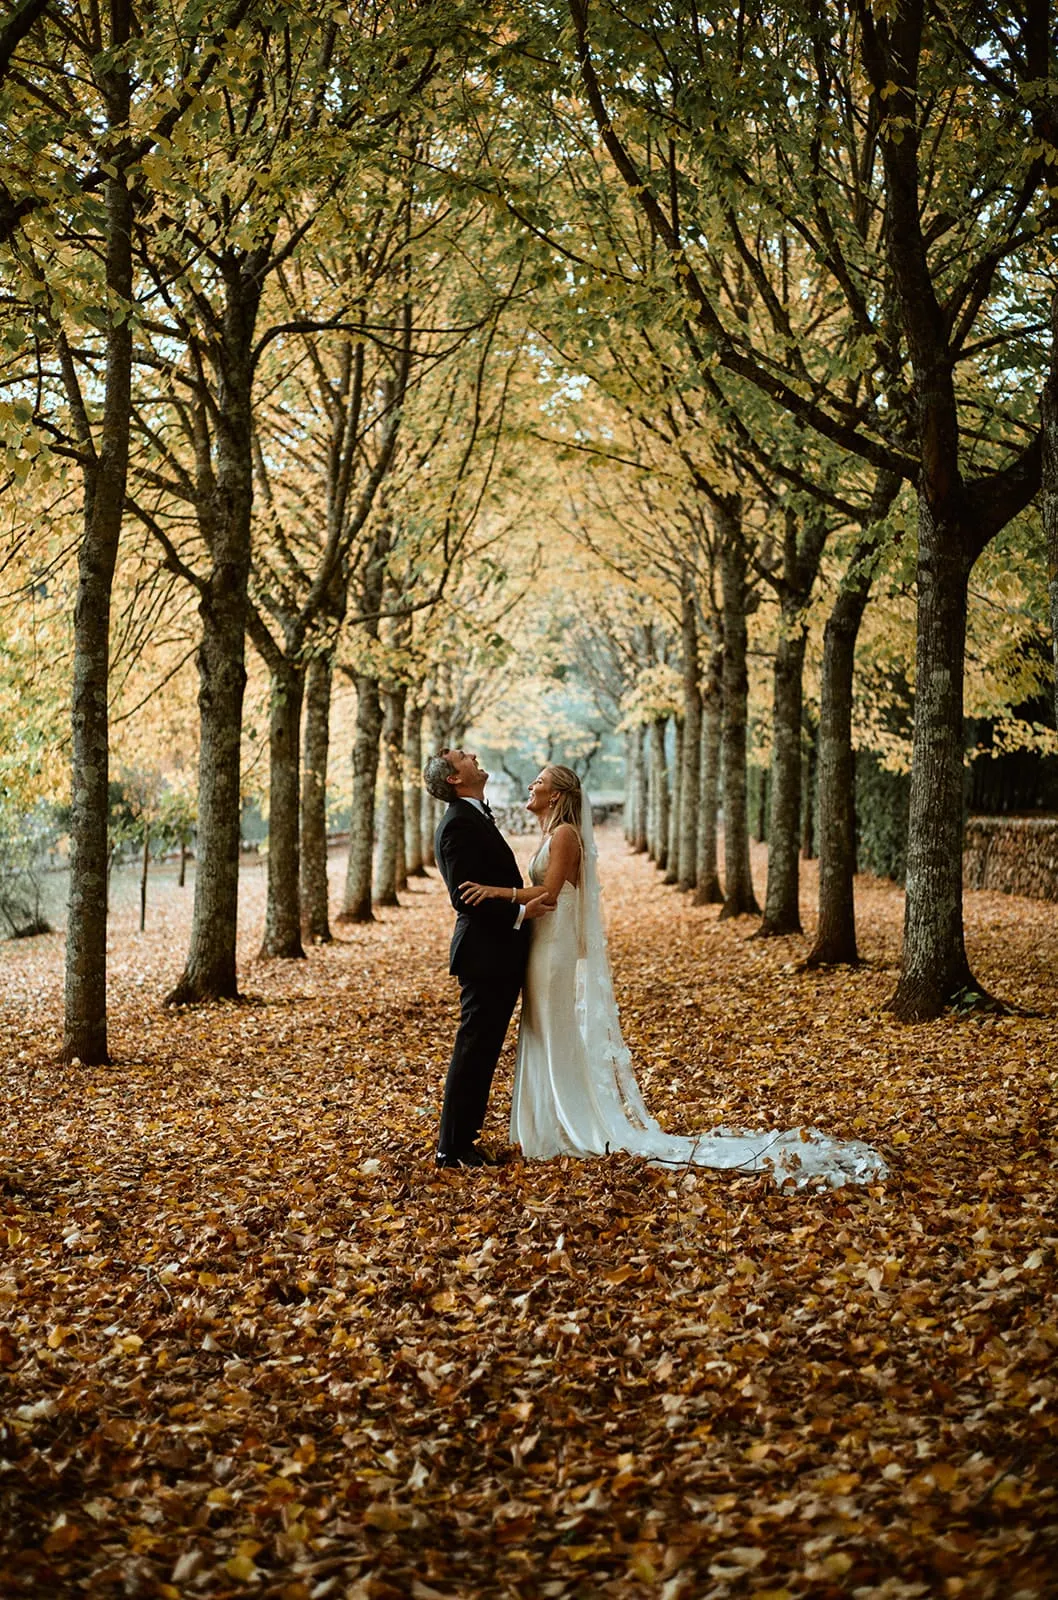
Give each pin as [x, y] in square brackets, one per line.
[569, 797]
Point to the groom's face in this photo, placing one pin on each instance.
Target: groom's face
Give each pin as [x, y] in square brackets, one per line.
[467, 772]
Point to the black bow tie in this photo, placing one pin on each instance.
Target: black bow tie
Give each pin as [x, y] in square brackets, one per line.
[488, 811]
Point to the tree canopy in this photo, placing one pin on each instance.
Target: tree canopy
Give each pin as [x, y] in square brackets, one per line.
[572, 377]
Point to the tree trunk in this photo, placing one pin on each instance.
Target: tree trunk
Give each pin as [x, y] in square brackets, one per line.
[672, 853]
[315, 896]
[85, 1014]
[427, 823]
[956, 519]
[357, 898]
[182, 879]
[412, 808]
[934, 967]
[758, 782]
[687, 870]
[709, 891]
[391, 829]
[401, 826]
[1049, 486]
[85, 1022]
[431, 816]
[144, 869]
[282, 935]
[659, 794]
[804, 537]
[429, 808]
[357, 902]
[835, 940]
[808, 794]
[642, 788]
[782, 913]
[210, 971]
[400, 820]
[628, 811]
[739, 898]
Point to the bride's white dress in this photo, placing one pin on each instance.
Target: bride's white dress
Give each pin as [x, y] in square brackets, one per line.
[574, 1089]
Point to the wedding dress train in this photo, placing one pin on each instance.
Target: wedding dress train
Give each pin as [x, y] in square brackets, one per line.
[574, 1089]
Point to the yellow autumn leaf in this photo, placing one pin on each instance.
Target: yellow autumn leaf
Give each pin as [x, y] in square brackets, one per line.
[839, 1483]
[387, 1518]
[619, 1275]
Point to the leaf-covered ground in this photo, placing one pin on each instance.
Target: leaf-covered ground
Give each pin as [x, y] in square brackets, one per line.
[252, 1343]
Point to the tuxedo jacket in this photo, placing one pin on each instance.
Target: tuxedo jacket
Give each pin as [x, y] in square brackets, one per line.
[485, 943]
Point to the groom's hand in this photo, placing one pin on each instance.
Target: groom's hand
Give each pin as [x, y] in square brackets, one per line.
[539, 906]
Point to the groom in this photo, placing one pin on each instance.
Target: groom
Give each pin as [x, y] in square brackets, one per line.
[488, 952]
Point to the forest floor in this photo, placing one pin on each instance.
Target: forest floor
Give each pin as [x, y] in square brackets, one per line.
[253, 1343]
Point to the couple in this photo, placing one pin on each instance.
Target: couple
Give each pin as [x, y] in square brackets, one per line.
[574, 1089]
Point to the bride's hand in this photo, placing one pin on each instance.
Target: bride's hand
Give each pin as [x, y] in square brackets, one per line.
[539, 906]
[475, 893]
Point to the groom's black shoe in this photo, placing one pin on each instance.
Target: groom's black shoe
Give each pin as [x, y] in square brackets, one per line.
[472, 1157]
[477, 1156]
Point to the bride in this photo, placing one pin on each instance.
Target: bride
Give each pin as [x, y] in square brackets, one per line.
[574, 1089]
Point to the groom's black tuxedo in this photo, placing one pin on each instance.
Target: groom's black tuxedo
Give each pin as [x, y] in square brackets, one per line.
[488, 956]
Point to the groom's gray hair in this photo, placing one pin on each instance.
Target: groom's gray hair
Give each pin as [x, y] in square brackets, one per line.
[435, 776]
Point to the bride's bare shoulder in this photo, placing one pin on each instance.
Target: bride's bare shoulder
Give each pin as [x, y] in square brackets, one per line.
[566, 837]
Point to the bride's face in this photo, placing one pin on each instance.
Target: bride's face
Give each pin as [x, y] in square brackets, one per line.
[541, 793]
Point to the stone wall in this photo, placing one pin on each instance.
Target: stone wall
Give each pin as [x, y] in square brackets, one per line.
[515, 819]
[1016, 855]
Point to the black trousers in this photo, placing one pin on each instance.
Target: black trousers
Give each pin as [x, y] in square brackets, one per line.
[486, 1005]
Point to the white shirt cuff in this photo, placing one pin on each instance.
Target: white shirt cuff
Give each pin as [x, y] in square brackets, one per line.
[520, 918]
